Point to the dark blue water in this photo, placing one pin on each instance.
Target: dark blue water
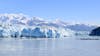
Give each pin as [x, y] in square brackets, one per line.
[49, 47]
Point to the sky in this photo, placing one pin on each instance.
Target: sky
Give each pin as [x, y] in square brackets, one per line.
[83, 11]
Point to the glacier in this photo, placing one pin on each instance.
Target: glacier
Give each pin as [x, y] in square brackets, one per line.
[24, 31]
[20, 25]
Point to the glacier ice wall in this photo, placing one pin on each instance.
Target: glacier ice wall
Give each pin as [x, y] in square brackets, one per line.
[22, 31]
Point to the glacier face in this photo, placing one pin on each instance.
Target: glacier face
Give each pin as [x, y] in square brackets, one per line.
[20, 25]
[33, 31]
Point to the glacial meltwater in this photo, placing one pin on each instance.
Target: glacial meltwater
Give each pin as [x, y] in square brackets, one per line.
[69, 46]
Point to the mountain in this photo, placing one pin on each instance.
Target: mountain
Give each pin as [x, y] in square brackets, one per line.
[18, 24]
[95, 32]
[81, 27]
[37, 21]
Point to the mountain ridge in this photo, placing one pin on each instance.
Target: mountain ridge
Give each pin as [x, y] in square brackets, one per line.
[37, 21]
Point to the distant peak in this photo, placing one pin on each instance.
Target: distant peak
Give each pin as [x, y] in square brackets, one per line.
[38, 18]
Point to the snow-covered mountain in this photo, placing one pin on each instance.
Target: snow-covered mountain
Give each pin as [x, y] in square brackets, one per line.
[31, 21]
[24, 25]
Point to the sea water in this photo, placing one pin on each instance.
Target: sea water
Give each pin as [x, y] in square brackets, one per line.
[69, 46]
